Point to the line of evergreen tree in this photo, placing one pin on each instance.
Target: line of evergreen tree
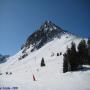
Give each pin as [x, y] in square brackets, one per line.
[73, 59]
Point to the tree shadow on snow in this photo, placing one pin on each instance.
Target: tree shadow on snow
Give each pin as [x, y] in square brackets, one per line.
[84, 68]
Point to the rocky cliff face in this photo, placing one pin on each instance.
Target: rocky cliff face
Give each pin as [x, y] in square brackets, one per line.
[3, 58]
[47, 32]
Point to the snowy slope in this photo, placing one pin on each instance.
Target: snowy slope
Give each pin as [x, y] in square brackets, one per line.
[49, 77]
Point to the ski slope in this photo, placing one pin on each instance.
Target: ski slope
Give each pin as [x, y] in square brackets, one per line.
[49, 77]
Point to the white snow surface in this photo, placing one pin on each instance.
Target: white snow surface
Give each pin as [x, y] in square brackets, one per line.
[49, 77]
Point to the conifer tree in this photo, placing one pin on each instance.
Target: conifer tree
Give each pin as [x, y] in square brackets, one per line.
[73, 57]
[65, 63]
[70, 59]
[82, 52]
[88, 44]
[42, 62]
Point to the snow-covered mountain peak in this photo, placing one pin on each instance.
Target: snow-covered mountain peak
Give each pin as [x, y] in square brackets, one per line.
[50, 26]
[47, 32]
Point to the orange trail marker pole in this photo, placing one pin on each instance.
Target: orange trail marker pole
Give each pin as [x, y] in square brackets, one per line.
[34, 79]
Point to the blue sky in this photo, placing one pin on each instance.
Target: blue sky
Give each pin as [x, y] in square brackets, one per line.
[20, 18]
